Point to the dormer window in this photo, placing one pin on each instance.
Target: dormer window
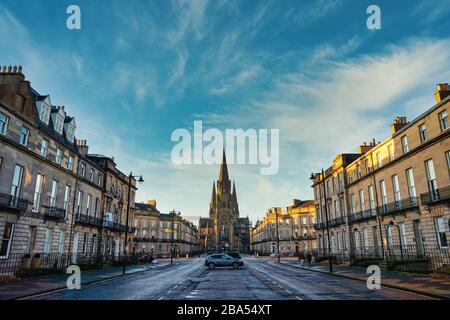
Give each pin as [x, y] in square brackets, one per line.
[59, 123]
[70, 133]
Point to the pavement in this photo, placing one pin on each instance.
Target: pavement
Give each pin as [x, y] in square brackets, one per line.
[189, 279]
[17, 288]
[413, 282]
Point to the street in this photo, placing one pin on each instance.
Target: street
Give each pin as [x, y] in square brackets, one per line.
[259, 279]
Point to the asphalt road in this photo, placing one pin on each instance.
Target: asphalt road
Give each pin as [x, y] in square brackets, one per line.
[259, 279]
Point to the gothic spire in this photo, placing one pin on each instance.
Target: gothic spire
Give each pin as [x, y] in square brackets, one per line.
[223, 169]
[213, 196]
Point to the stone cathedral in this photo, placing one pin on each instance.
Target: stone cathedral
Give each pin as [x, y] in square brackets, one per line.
[224, 230]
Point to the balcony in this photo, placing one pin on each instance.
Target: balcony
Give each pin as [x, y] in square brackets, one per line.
[51, 212]
[14, 204]
[114, 226]
[437, 196]
[88, 220]
[399, 206]
[362, 215]
[336, 221]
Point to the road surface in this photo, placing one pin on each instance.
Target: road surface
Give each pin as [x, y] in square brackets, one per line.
[259, 279]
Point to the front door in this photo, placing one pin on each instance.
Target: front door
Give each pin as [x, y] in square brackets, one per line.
[418, 237]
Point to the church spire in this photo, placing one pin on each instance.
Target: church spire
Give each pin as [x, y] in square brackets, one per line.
[213, 196]
[223, 169]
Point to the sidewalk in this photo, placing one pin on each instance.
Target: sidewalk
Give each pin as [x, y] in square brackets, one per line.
[19, 288]
[413, 282]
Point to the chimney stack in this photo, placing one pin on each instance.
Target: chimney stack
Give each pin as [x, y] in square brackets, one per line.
[11, 73]
[442, 92]
[82, 147]
[399, 123]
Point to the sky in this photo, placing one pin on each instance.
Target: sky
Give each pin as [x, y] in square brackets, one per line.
[138, 70]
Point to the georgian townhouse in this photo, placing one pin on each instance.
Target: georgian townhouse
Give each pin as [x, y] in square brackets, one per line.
[159, 233]
[51, 192]
[295, 230]
[397, 193]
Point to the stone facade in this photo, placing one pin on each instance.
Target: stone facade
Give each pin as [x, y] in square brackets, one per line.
[392, 195]
[160, 233]
[52, 192]
[295, 228]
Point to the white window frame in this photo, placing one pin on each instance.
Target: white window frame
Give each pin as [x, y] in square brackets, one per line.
[440, 228]
[443, 120]
[3, 123]
[70, 163]
[403, 233]
[48, 240]
[16, 185]
[411, 183]
[37, 193]
[53, 194]
[61, 242]
[405, 145]
[423, 132]
[44, 147]
[58, 156]
[8, 249]
[23, 136]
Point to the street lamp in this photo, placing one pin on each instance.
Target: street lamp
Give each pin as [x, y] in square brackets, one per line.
[173, 214]
[128, 214]
[327, 222]
[278, 236]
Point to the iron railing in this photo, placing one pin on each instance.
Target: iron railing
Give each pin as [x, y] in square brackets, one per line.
[437, 195]
[88, 220]
[410, 257]
[399, 206]
[9, 202]
[118, 227]
[52, 212]
[29, 265]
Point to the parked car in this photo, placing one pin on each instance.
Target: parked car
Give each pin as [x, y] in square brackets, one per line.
[146, 258]
[234, 255]
[222, 260]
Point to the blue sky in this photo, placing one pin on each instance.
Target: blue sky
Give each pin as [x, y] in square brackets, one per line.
[137, 70]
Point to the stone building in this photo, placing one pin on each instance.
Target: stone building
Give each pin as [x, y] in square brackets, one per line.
[295, 229]
[160, 233]
[224, 229]
[392, 198]
[51, 191]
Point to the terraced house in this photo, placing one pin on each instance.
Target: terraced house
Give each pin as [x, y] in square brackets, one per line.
[391, 200]
[53, 206]
[163, 233]
[295, 230]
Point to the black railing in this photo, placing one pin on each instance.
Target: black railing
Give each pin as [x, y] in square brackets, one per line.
[399, 206]
[118, 227]
[337, 221]
[29, 265]
[410, 257]
[437, 195]
[88, 220]
[9, 202]
[52, 212]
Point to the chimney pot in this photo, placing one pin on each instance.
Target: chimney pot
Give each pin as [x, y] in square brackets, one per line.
[3, 69]
[443, 91]
[15, 69]
[9, 69]
[20, 69]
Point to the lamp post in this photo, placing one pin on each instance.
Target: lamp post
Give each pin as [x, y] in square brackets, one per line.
[278, 236]
[327, 222]
[128, 214]
[173, 214]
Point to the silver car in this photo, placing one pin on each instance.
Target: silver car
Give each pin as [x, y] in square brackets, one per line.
[222, 260]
